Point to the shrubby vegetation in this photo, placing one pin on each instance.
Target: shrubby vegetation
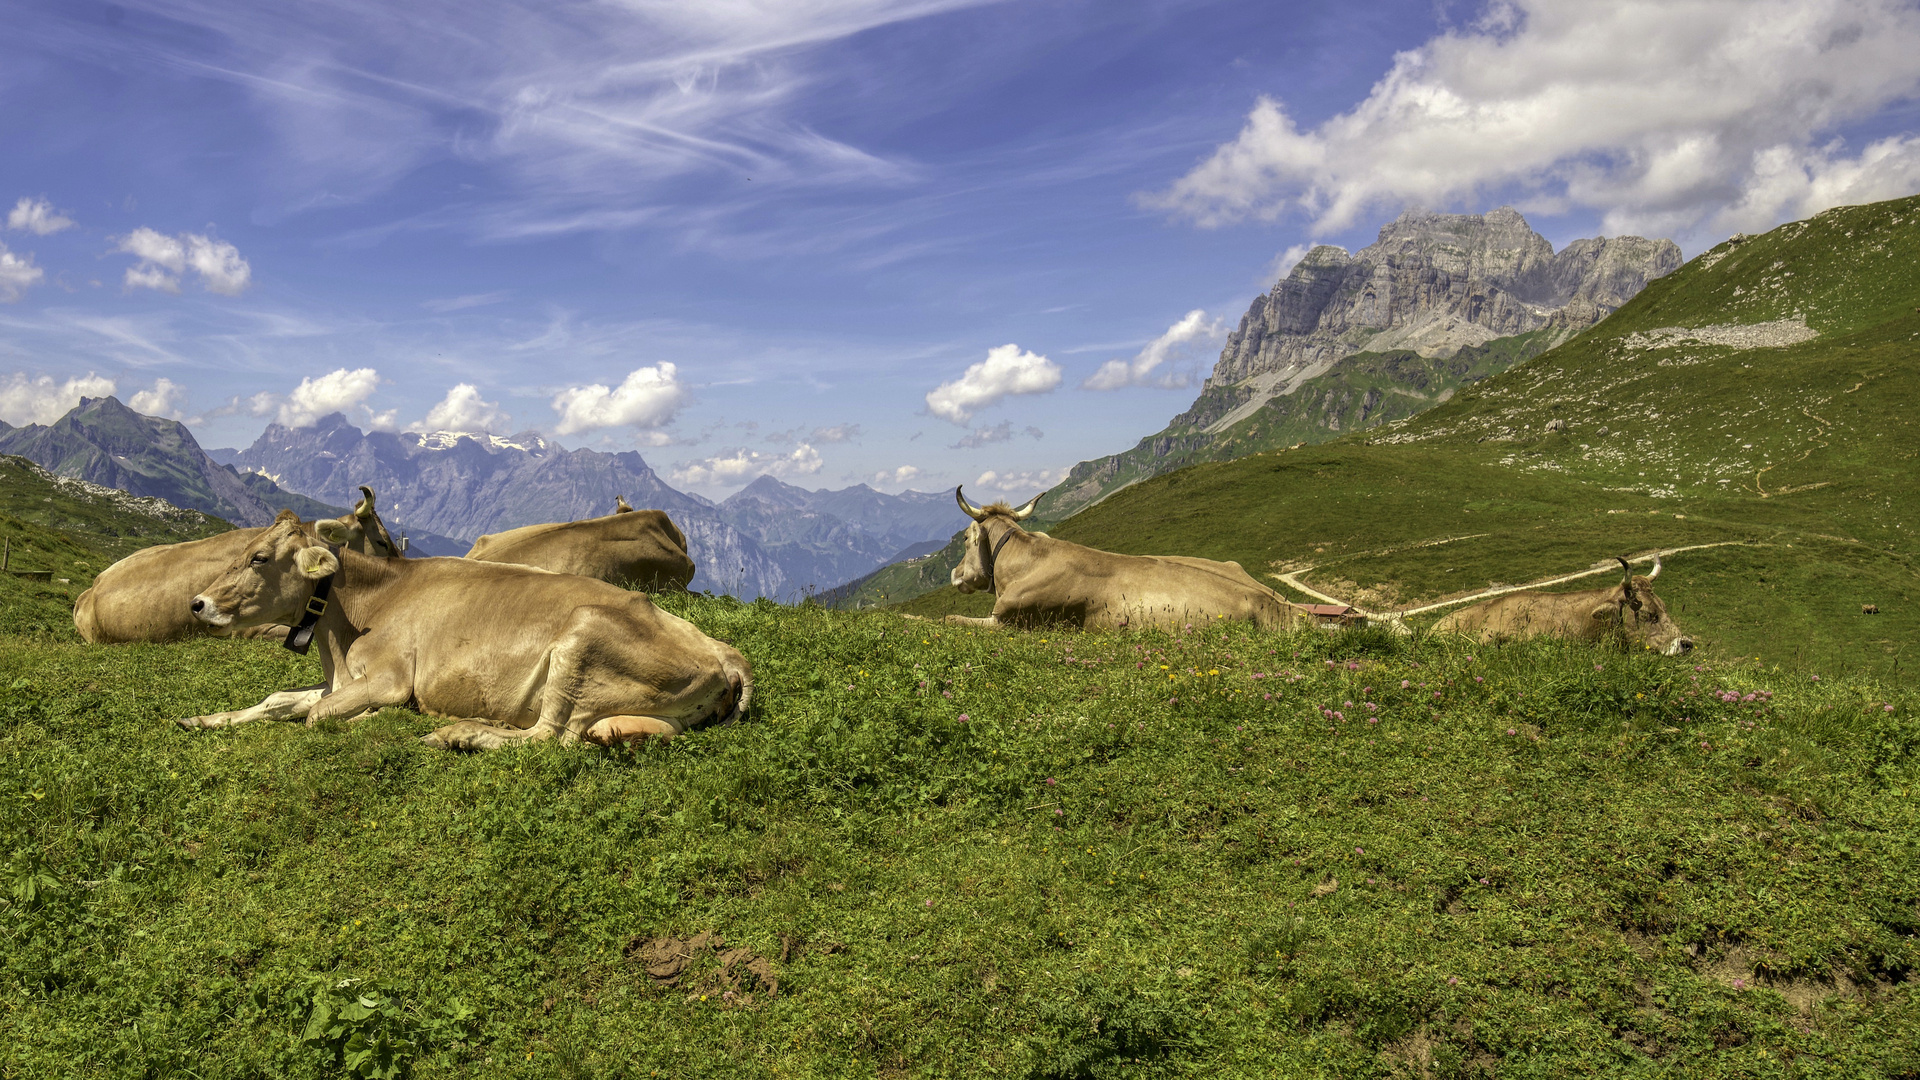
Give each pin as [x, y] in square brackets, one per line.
[960, 853]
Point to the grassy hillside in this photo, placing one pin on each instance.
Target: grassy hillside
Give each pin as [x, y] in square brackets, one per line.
[75, 530]
[1802, 453]
[967, 854]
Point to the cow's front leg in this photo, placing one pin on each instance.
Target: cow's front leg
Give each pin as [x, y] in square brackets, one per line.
[362, 697]
[480, 735]
[285, 705]
[988, 623]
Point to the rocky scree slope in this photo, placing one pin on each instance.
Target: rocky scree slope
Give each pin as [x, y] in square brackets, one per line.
[1483, 289]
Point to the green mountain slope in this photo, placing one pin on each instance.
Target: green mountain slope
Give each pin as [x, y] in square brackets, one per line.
[1725, 422]
[73, 530]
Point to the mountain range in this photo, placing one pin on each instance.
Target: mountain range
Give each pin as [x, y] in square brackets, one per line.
[768, 539]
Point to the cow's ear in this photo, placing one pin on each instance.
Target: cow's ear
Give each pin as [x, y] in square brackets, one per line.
[1606, 612]
[316, 563]
[336, 532]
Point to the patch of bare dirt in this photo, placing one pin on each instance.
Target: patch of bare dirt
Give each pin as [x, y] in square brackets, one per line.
[704, 967]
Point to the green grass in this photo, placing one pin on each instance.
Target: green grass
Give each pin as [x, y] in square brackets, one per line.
[1078, 864]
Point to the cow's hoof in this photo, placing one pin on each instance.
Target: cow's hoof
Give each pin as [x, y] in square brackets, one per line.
[433, 739]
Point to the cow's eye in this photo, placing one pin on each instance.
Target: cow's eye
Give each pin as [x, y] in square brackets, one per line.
[259, 557]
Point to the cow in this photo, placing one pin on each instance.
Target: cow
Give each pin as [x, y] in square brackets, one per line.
[509, 653]
[1040, 581]
[145, 596]
[636, 548]
[1628, 609]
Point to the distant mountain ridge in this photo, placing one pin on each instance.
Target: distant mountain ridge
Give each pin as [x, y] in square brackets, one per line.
[1484, 290]
[770, 539]
[104, 442]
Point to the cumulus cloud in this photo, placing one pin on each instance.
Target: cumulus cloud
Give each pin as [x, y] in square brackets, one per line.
[998, 433]
[744, 464]
[1193, 328]
[1663, 116]
[463, 410]
[17, 275]
[900, 475]
[1028, 480]
[167, 398]
[42, 401]
[37, 216]
[648, 398]
[1005, 372]
[165, 259]
[335, 392]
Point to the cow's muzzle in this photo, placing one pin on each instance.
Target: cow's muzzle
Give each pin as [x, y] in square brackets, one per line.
[1680, 647]
[207, 612]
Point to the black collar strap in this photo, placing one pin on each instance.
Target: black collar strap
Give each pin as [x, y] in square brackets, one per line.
[302, 635]
[994, 555]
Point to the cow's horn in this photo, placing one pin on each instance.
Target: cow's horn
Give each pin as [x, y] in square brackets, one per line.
[621, 506]
[365, 509]
[1656, 567]
[1026, 511]
[970, 510]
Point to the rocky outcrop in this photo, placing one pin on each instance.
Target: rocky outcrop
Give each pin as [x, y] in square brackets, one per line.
[1431, 283]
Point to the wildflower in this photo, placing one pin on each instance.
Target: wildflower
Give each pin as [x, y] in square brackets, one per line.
[1739, 984]
[1373, 719]
[1358, 851]
[1597, 667]
[964, 718]
[1051, 781]
[1404, 684]
[1477, 678]
[929, 903]
[1347, 704]
[1816, 678]
[1484, 881]
[1059, 813]
[1888, 708]
[1511, 731]
[1453, 980]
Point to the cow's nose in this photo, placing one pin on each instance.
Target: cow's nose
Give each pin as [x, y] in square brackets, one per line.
[1686, 645]
[199, 604]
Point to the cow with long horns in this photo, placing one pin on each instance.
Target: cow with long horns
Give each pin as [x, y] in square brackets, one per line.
[1040, 581]
[145, 596]
[1628, 610]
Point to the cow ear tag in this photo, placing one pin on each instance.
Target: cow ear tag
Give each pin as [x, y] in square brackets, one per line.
[316, 563]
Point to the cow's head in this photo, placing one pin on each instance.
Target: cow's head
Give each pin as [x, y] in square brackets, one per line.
[975, 572]
[362, 530]
[271, 580]
[1640, 614]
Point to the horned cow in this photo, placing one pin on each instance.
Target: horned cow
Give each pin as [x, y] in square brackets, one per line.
[1629, 608]
[509, 653]
[1040, 581]
[145, 596]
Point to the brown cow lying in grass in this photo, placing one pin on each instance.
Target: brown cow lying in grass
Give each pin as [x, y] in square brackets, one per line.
[509, 652]
[1040, 581]
[147, 595]
[1629, 609]
[641, 549]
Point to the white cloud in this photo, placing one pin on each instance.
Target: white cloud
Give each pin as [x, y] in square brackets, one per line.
[1029, 481]
[744, 464]
[1005, 372]
[167, 398]
[462, 410]
[37, 216]
[1192, 328]
[1663, 115]
[838, 433]
[998, 433]
[163, 259]
[42, 401]
[17, 275]
[900, 475]
[648, 398]
[336, 391]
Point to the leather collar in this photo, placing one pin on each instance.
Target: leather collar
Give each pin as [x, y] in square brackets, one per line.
[994, 554]
[302, 635]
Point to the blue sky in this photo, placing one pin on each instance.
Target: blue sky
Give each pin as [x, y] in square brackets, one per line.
[904, 242]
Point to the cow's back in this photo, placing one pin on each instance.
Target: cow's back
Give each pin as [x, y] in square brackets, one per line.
[642, 548]
[1107, 590]
[148, 595]
[1527, 614]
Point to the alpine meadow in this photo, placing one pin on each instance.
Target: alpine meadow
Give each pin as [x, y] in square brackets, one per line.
[942, 851]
